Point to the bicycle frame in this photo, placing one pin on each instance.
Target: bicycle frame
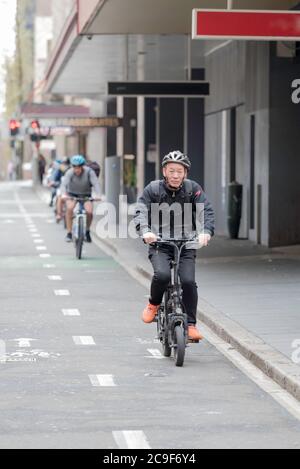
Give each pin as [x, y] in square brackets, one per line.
[79, 214]
[173, 314]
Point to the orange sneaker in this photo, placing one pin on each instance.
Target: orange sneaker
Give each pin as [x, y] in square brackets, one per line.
[194, 334]
[150, 313]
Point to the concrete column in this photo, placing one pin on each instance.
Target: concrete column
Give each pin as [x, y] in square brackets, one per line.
[141, 119]
[140, 144]
[120, 137]
[120, 130]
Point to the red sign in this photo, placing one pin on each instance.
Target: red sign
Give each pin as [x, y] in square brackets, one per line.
[246, 24]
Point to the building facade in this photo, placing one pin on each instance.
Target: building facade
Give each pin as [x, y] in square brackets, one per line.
[246, 130]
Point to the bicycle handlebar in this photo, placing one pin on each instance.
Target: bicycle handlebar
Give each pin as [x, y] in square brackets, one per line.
[174, 242]
[81, 199]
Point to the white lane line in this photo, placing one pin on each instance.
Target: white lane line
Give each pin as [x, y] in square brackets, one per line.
[45, 256]
[49, 266]
[131, 440]
[36, 235]
[104, 381]
[71, 312]
[62, 293]
[147, 341]
[54, 278]
[38, 241]
[41, 248]
[33, 230]
[84, 340]
[18, 216]
[155, 354]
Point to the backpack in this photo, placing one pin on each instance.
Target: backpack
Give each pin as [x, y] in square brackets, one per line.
[157, 192]
[95, 167]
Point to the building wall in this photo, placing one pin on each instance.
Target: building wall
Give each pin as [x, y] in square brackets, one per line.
[284, 153]
[238, 72]
[225, 71]
[42, 38]
[60, 12]
[257, 82]
[43, 7]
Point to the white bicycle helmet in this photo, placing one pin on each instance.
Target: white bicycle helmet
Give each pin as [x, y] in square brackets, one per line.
[177, 157]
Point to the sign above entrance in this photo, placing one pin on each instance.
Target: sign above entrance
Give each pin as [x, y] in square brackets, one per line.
[106, 122]
[251, 25]
[156, 89]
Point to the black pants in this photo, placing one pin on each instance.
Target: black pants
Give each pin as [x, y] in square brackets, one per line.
[161, 260]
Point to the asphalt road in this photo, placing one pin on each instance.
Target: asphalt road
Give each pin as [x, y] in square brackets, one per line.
[81, 370]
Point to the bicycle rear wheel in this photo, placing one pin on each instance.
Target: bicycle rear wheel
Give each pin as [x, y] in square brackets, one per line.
[179, 346]
[80, 240]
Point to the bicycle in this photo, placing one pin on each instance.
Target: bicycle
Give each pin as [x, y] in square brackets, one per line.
[80, 224]
[172, 319]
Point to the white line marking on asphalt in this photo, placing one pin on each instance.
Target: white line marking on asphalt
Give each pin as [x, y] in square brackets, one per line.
[269, 386]
[131, 440]
[38, 241]
[71, 312]
[36, 235]
[21, 215]
[41, 248]
[62, 293]
[147, 341]
[105, 381]
[84, 340]
[155, 354]
[49, 266]
[8, 222]
[45, 256]
[54, 278]
[24, 343]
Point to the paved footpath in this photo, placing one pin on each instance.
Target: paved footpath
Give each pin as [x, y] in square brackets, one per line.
[82, 371]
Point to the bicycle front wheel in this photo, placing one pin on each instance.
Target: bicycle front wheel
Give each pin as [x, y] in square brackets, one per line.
[179, 345]
[80, 240]
[167, 351]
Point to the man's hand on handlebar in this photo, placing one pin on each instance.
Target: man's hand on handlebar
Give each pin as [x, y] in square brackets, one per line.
[150, 238]
[204, 239]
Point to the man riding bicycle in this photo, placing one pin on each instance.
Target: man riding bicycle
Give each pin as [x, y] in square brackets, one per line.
[166, 196]
[79, 182]
[55, 183]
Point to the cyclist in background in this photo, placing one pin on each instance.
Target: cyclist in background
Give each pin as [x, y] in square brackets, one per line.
[55, 182]
[79, 182]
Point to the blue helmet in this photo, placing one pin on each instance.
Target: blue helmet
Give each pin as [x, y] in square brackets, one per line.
[78, 160]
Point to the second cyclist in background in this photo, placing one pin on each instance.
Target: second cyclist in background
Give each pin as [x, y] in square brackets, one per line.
[79, 182]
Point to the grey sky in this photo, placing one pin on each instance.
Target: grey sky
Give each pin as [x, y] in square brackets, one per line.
[7, 38]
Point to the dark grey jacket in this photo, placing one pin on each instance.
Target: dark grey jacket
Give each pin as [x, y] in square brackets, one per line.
[196, 214]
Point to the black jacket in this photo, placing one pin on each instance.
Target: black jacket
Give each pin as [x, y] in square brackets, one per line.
[192, 212]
